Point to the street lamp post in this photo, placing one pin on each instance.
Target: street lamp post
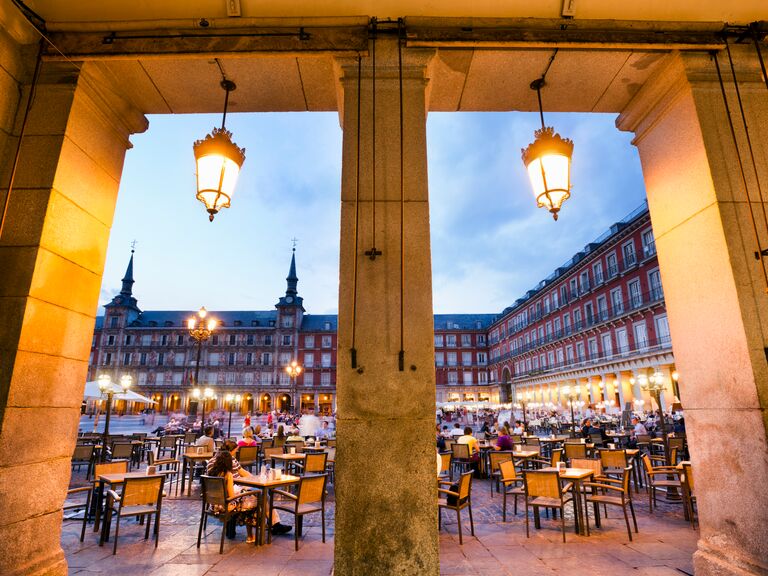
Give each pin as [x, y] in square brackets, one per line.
[202, 396]
[200, 330]
[654, 385]
[106, 388]
[293, 369]
[232, 399]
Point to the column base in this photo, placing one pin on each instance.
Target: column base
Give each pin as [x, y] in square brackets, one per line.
[55, 565]
[711, 561]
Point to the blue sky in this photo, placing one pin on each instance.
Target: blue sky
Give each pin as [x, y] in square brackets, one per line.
[489, 241]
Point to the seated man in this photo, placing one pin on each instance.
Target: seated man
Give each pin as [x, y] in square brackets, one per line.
[474, 448]
[206, 440]
[325, 431]
[456, 432]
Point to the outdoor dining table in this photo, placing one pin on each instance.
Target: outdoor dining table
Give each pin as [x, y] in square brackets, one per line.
[114, 480]
[288, 459]
[188, 460]
[576, 475]
[266, 483]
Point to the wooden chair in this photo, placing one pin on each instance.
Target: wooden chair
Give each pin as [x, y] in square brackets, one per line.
[331, 442]
[496, 457]
[313, 464]
[216, 504]
[512, 485]
[532, 443]
[669, 478]
[141, 496]
[613, 462]
[330, 464]
[75, 505]
[189, 438]
[575, 450]
[278, 441]
[445, 465]
[543, 489]
[168, 467]
[688, 493]
[297, 444]
[113, 467]
[596, 438]
[248, 456]
[83, 456]
[269, 452]
[661, 458]
[555, 457]
[461, 457]
[622, 497]
[309, 498]
[460, 499]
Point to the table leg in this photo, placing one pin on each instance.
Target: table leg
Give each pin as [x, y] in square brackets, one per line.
[263, 516]
[99, 500]
[577, 505]
[191, 467]
[183, 474]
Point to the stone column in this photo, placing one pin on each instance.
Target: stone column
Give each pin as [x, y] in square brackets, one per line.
[714, 288]
[386, 509]
[52, 254]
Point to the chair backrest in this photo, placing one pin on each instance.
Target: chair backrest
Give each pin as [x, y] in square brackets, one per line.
[508, 471]
[445, 461]
[150, 458]
[83, 453]
[613, 458]
[460, 451]
[278, 440]
[114, 467]
[497, 457]
[449, 443]
[139, 435]
[643, 438]
[331, 442]
[122, 450]
[589, 463]
[140, 491]
[267, 443]
[647, 464]
[596, 438]
[532, 441]
[214, 490]
[557, 456]
[516, 438]
[688, 476]
[575, 450]
[168, 442]
[676, 442]
[544, 483]
[247, 454]
[465, 485]
[269, 452]
[315, 463]
[190, 437]
[311, 489]
[673, 456]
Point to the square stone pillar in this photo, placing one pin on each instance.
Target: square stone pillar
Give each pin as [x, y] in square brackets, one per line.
[386, 507]
[714, 288]
[52, 253]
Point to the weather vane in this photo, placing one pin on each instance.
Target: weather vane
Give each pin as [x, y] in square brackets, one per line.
[133, 246]
[295, 241]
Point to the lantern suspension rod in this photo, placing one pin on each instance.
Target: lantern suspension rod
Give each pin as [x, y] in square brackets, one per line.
[401, 354]
[538, 84]
[760, 252]
[353, 349]
[759, 31]
[373, 252]
[228, 86]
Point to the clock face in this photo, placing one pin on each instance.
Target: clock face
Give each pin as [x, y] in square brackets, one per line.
[289, 299]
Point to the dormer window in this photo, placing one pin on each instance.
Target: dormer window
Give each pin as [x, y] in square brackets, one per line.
[113, 321]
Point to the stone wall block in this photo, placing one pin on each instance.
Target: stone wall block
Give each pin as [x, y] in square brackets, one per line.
[58, 423]
[50, 329]
[37, 377]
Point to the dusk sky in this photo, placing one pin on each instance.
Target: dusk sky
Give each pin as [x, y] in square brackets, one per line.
[490, 244]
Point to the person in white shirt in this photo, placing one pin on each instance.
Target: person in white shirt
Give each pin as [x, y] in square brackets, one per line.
[457, 431]
[638, 428]
[309, 424]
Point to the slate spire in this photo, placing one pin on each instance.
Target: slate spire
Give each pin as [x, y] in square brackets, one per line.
[127, 289]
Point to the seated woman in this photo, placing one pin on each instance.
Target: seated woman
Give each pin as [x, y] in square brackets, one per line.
[504, 441]
[248, 505]
[248, 439]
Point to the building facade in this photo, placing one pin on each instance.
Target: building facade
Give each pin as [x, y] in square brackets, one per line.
[597, 325]
[594, 331]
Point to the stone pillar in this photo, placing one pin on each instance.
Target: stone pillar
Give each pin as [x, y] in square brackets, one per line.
[52, 254]
[714, 288]
[386, 509]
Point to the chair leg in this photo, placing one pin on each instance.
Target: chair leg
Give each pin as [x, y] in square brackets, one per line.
[117, 532]
[504, 506]
[223, 531]
[471, 522]
[458, 517]
[626, 519]
[157, 527]
[322, 515]
[200, 530]
[85, 514]
[562, 521]
[439, 518]
[149, 523]
[296, 533]
[586, 514]
[527, 531]
[634, 520]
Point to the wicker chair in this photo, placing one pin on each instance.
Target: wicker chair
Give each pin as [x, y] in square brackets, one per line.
[575, 450]
[309, 498]
[543, 489]
[670, 478]
[313, 464]
[168, 467]
[83, 456]
[622, 497]
[512, 485]
[141, 496]
[75, 505]
[463, 499]
[461, 457]
[247, 456]
[688, 493]
[497, 457]
[216, 504]
[167, 444]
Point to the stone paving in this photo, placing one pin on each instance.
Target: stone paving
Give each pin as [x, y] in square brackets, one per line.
[663, 547]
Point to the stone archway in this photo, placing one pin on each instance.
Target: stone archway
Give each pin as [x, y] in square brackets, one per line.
[57, 234]
[505, 391]
[265, 403]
